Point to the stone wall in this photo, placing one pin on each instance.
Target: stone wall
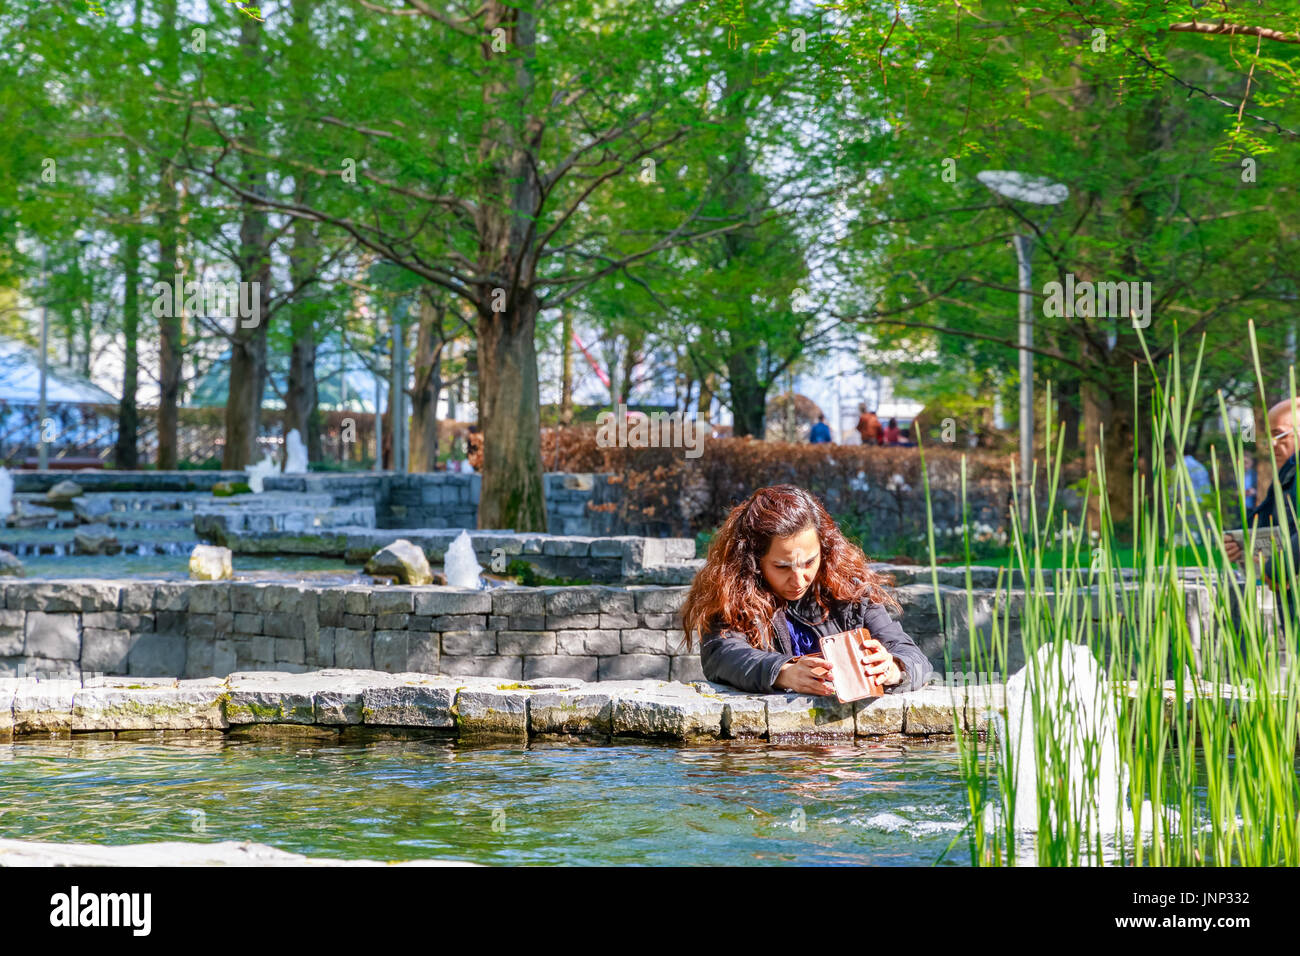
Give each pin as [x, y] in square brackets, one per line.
[99, 480]
[450, 500]
[201, 629]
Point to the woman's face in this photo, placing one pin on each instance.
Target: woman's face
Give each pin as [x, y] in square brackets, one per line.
[791, 563]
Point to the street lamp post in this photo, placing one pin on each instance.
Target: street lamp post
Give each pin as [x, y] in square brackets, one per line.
[42, 448]
[1037, 191]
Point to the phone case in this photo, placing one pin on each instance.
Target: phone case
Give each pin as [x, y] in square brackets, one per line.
[844, 653]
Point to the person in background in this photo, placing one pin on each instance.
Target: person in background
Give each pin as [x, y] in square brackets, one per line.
[820, 434]
[905, 439]
[474, 448]
[868, 426]
[1282, 435]
[890, 436]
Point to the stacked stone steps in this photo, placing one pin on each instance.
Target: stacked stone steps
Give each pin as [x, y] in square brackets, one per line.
[245, 523]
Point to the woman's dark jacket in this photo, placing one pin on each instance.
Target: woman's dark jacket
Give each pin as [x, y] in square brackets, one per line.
[729, 658]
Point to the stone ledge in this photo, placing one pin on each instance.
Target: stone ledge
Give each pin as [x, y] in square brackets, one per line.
[336, 699]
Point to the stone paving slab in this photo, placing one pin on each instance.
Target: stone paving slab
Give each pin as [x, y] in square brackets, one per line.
[330, 700]
[175, 853]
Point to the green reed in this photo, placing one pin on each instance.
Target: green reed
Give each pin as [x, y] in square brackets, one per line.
[1205, 712]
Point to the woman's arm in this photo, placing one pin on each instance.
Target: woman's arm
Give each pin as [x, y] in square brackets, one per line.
[730, 659]
[916, 667]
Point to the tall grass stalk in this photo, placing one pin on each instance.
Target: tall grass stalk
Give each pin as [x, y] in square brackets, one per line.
[1204, 709]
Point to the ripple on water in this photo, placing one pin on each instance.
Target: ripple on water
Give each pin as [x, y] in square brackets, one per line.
[728, 803]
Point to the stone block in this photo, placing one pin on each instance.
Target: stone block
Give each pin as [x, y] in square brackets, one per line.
[289, 650]
[390, 650]
[411, 704]
[209, 597]
[561, 602]
[568, 546]
[678, 716]
[618, 620]
[273, 697]
[318, 647]
[660, 600]
[423, 653]
[183, 705]
[44, 706]
[685, 667]
[138, 597]
[353, 648]
[391, 600]
[588, 712]
[481, 712]
[598, 641]
[56, 636]
[436, 601]
[560, 665]
[248, 623]
[105, 650]
[644, 641]
[518, 601]
[455, 643]
[557, 622]
[930, 710]
[875, 716]
[797, 715]
[283, 624]
[633, 666]
[526, 642]
[475, 666]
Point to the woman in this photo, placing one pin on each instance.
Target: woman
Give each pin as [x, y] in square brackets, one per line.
[890, 435]
[780, 576]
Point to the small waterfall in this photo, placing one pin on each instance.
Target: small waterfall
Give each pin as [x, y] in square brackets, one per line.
[6, 493]
[1064, 687]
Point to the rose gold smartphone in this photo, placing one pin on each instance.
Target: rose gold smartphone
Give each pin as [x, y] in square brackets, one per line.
[844, 653]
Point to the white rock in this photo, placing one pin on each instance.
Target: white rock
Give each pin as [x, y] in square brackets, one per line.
[211, 563]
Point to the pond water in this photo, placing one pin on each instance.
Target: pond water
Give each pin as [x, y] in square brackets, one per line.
[890, 803]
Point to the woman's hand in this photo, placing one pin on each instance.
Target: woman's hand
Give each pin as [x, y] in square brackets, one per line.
[809, 674]
[880, 664]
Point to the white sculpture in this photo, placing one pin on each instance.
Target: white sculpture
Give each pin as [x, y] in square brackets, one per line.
[295, 454]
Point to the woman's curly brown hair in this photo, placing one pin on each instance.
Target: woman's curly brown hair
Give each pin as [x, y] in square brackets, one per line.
[730, 594]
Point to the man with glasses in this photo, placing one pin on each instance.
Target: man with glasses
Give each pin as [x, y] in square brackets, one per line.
[1282, 435]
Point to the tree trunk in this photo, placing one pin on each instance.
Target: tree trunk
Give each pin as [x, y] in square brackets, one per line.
[704, 401]
[302, 408]
[428, 383]
[748, 396]
[127, 453]
[248, 342]
[170, 340]
[1068, 415]
[512, 495]
[566, 368]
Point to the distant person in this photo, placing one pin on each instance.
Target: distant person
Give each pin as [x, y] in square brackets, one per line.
[474, 448]
[1199, 474]
[1282, 436]
[905, 439]
[890, 436]
[820, 434]
[868, 426]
